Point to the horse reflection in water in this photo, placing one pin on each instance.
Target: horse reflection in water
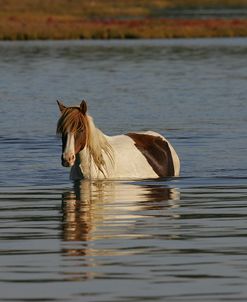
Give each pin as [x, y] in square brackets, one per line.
[108, 210]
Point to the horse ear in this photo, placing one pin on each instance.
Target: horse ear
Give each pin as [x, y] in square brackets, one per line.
[61, 106]
[83, 107]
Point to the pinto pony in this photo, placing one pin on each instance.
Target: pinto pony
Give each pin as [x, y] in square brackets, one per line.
[92, 154]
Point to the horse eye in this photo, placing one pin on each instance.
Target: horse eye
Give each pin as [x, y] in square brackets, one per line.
[81, 129]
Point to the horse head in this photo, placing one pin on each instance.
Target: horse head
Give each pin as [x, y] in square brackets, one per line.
[73, 128]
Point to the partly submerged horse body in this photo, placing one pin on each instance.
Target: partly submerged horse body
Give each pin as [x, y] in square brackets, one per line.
[92, 154]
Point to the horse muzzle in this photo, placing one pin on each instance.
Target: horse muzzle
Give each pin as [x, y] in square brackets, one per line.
[68, 159]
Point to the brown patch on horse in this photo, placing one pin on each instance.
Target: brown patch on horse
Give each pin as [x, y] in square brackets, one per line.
[156, 151]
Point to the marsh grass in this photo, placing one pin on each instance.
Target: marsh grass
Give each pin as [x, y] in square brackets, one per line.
[110, 19]
[31, 28]
[108, 8]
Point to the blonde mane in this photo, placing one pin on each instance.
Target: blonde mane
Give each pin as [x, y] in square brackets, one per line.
[98, 145]
[72, 120]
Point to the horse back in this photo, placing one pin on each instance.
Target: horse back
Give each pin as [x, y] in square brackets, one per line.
[158, 153]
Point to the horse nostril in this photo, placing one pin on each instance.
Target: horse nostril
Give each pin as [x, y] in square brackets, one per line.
[68, 160]
[72, 158]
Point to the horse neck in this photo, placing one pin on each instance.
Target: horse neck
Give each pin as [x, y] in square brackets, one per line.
[97, 147]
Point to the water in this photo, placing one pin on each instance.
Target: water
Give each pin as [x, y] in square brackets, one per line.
[179, 239]
[204, 13]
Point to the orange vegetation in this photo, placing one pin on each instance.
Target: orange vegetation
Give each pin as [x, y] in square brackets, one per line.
[111, 19]
[61, 27]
